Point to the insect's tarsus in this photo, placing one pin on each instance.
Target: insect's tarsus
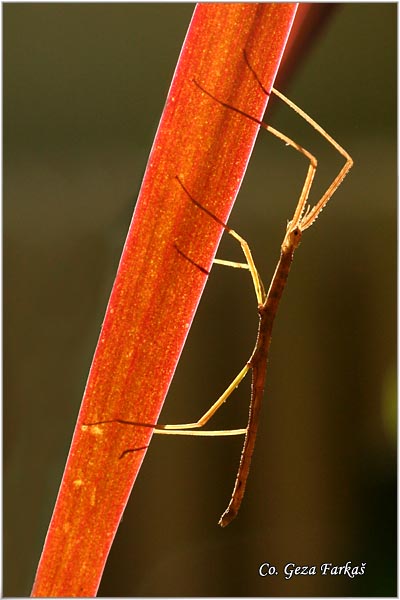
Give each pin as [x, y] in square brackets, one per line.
[124, 422]
[130, 450]
[121, 422]
[226, 105]
[246, 58]
[199, 205]
[192, 262]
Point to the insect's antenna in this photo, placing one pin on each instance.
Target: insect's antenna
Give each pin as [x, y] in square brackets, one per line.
[203, 208]
[246, 58]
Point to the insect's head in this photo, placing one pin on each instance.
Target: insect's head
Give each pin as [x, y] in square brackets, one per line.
[292, 237]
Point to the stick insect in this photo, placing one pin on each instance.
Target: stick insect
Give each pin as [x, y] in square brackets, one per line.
[268, 302]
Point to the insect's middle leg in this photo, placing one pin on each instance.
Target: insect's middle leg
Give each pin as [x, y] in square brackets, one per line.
[187, 428]
[249, 264]
[258, 285]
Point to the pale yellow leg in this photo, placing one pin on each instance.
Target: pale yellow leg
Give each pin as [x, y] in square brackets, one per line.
[182, 428]
[306, 220]
[312, 214]
[249, 265]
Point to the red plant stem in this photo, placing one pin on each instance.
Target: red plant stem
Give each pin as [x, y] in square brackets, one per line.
[156, 290]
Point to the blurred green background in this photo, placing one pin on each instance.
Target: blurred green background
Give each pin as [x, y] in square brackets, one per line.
[84, 87]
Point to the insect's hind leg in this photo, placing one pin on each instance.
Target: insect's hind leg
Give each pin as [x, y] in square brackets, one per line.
[187, 428]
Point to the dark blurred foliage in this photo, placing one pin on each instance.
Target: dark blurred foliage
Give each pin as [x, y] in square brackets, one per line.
[84, 87]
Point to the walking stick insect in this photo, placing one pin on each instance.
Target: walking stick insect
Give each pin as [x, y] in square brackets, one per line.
[268, 302]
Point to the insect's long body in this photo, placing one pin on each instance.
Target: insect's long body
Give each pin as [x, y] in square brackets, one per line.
[258, 363]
